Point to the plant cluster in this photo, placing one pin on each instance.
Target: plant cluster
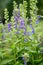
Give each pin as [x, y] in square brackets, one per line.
[19, 41]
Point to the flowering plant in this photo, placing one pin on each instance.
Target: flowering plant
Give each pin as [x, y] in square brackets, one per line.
[19, 41]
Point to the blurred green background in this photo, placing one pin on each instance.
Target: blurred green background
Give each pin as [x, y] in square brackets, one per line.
[9, 5]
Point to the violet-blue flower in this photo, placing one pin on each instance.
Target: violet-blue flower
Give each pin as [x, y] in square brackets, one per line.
[24, 32]
[9, 26]
[25, 40]
[15, 26]
[31, 26]
[37, 21]
[28, 33]
[22, 22]
[25, 63]
[16, 19]
[18, 14]
[39, 16]
[33, 31]
[23, 58]
[17, 32]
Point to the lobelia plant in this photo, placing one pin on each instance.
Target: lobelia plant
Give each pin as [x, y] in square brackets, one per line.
[19, 46]
[6, 15]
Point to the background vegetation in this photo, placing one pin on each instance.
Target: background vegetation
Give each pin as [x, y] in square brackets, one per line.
[21, 43]
[8, 4]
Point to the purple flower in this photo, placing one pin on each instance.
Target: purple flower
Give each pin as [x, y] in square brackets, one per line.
[25, 40]
[39, 16]
[16, 19]
[31, 26]
[18, 14]
[22, 22]
[15, 26]
[24, 60]
[37, 21]
[28, 33]
[25, 63]
[24, 32]
[9, 27]
[17, 32]
[33, 31]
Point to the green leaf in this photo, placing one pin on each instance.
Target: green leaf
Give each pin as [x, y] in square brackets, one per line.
[41, 63]
[6, 61]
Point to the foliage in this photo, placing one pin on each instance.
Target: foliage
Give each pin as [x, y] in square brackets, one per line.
[20, 42]
[8, 4]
